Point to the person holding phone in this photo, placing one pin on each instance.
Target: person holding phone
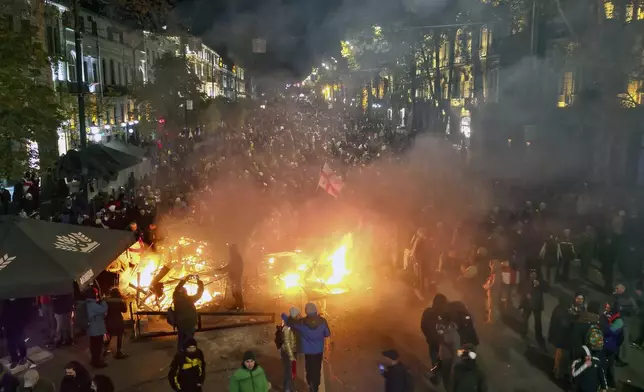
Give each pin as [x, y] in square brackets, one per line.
[396, 375]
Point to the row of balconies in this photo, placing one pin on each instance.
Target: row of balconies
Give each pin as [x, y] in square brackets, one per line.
[109, 91]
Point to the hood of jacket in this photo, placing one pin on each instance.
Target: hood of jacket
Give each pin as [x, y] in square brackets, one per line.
[439, 303]
[588, 317]
[243, 373]
[313, 321]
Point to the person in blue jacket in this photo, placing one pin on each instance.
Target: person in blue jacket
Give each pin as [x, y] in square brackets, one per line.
[613, 339]
[96, 311]
[313, 329]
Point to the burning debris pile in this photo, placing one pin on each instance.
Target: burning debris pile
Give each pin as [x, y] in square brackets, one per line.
[151, 277]
[324, 275]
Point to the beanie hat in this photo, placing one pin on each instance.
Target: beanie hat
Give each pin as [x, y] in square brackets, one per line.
[190, 342]
[248, 355]
[310, 309]
[293, 312]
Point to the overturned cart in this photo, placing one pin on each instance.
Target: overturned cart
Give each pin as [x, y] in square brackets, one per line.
[148, 278]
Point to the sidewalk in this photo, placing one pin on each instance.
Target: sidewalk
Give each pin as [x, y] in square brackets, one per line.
[147, 367]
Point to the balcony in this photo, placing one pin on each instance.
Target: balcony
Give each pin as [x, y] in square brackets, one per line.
[71, 87]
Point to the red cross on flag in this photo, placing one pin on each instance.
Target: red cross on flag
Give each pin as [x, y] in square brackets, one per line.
[329, 181]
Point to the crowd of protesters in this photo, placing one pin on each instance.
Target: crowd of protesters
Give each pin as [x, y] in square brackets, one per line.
[513, 256]
[510, 256]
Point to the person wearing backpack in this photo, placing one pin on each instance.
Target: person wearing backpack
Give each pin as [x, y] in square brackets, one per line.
[286, 342]
[613, 339]
[588, 331]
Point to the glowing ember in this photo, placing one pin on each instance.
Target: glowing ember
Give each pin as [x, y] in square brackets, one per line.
[328, 274]
[154, 276]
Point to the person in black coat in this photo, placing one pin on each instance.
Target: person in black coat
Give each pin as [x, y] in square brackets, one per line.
[467, 376]
[397, 378]
[235, 269]
[588, 372]
[102, 383]
[76, 379]
[461, 316]
[63, 307]
[430, 321]
[8, 382]
[532, 304]
[559, 333]
[15, 315]
[114, 322]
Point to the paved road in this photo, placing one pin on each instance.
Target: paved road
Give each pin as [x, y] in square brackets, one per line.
[363, 323]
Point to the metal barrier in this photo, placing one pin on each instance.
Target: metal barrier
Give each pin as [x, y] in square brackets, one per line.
[136, 316]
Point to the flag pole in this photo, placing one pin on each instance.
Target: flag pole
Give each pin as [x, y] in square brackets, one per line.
[317, 186]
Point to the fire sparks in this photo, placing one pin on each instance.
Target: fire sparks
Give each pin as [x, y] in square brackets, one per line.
[327, 274]
[151, 277]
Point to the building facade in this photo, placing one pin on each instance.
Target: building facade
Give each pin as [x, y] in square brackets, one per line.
[115, 59]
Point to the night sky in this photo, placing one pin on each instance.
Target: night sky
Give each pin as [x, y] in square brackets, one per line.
[298, 33]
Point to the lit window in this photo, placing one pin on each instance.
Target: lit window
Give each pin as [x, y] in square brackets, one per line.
[567, 90]
[458, 49]
[444, 51]
[485, 39]
[609, 9]
[634, 92]
[629, 13]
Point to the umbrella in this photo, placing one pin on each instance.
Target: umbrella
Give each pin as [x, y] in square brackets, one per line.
[43, 258]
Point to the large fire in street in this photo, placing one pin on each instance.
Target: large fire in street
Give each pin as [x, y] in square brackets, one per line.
[151, 277]
[296, 271]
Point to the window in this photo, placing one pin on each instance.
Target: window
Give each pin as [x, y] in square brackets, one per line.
[127, 76]
[486, 35]
[113, 72]
[634, 89]
[609, 9]
[94, 28]
[104, 69]
[71, 69]
[51, 46]
[57, 44]
[444, 51]
[567, 90]
[85, 70]
[466, 85]
[119, 74]
[95, 72]
[68, 22]
[25, 25]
